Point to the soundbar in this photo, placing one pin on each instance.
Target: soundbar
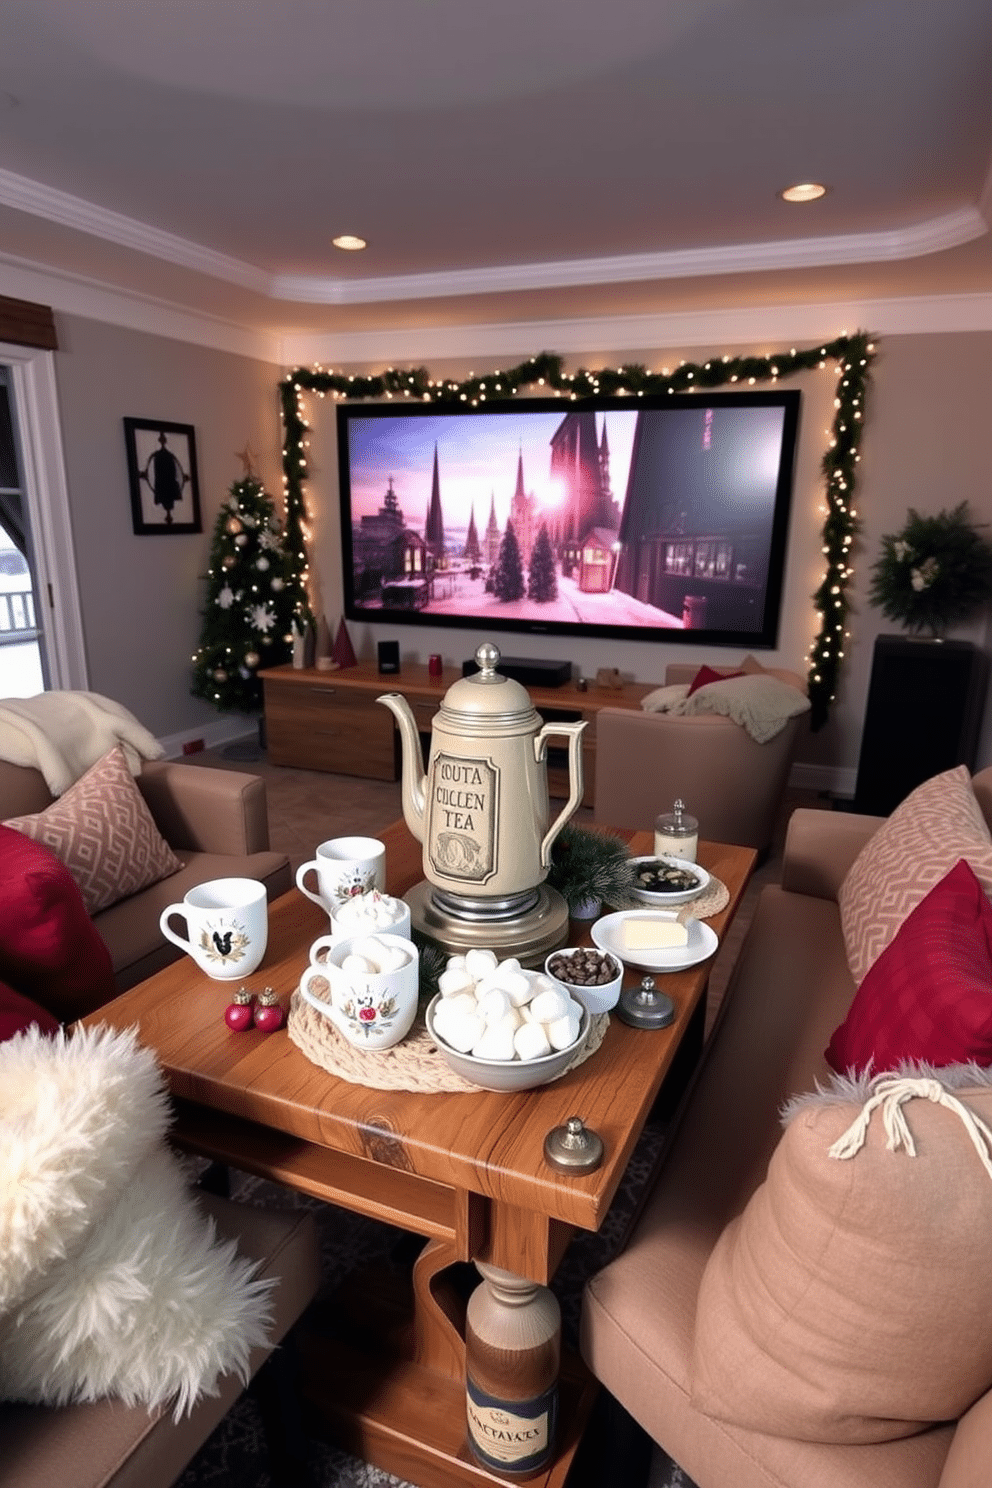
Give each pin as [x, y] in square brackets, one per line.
[529, 672]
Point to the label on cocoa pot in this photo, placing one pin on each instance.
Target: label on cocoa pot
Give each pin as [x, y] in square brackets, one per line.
[461, 817]
[513, 1435]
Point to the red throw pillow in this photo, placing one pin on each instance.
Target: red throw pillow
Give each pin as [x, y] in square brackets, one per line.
[929, 994]
[50, 950]
[707, 674]
[17, 1012]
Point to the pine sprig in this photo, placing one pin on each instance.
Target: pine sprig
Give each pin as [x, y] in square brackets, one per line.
[590, 864]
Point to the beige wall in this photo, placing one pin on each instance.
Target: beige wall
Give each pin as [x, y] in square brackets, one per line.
[925, 445]
[141, 596]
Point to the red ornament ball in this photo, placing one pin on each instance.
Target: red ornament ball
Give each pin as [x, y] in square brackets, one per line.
[268, 1012]
[238, 1014]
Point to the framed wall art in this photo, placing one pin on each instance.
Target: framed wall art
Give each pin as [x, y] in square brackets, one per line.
[161, 466]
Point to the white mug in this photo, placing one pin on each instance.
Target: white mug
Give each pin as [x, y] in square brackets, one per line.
[371, 1009]
[227, 926]
[344, 866]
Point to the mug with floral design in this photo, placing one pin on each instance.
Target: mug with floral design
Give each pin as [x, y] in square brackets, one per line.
[343, 867]
[368, 987]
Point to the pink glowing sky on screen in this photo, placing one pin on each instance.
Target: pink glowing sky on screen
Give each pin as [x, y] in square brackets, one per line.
[477, 460]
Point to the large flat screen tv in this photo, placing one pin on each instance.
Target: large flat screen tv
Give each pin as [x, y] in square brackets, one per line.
[660, 518]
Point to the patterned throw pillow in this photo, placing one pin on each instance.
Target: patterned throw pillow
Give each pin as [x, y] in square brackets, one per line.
[929, 995]
[939, 823]
[104, 833]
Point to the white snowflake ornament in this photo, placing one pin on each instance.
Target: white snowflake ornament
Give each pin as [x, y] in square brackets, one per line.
[262, 618]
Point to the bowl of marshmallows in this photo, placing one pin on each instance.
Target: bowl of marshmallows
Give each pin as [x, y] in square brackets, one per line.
[504, 1027]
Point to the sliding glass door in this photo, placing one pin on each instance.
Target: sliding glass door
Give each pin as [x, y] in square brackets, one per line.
[41, 625]
[23, 663]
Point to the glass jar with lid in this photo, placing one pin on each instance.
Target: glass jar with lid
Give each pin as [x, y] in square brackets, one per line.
[676, 834]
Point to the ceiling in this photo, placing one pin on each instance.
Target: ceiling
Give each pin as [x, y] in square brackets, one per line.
[535, 159]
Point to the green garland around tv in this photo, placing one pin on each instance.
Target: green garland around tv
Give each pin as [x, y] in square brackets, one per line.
[852, 355]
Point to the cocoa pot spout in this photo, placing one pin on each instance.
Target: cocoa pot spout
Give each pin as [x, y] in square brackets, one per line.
[414, 779]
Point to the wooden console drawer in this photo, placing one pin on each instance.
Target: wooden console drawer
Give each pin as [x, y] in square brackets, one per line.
[325, 728]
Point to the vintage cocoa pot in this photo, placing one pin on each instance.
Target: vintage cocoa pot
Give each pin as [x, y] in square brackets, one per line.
[481, 808]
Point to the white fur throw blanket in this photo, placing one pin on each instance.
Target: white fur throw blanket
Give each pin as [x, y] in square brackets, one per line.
[111, 1280]
[63, 733]
[761, 704]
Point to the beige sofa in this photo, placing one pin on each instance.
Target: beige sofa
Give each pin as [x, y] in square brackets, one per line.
[790, 990]
[216, 823]
[730, 783]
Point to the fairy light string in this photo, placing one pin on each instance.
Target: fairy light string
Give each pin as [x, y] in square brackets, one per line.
[850, 357]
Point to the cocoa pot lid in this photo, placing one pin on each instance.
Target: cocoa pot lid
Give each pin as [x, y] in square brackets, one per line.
[488, 694]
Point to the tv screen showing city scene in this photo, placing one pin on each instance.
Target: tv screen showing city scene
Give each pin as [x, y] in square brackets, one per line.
[640, 518]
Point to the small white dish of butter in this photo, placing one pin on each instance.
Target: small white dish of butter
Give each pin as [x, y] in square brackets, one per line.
[654, 940]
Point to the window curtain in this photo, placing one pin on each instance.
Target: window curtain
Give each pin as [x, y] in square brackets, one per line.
[25, 324]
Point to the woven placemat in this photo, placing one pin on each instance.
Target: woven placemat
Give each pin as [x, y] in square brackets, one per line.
[715, 896]
[415, 1064]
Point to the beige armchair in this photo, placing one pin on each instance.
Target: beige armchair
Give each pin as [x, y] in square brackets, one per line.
[732, 784]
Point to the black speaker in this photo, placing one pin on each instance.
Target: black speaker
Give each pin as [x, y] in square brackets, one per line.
[389, 657]
[924, 713]
[530, 671]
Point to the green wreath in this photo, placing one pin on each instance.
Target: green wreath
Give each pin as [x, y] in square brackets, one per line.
[935, 572]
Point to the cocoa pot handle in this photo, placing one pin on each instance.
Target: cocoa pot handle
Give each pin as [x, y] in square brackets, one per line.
[576, 783]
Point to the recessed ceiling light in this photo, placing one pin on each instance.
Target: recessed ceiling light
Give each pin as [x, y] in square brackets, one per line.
[349, 243]
[804, 191]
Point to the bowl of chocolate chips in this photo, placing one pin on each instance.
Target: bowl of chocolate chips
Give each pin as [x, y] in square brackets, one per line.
[592, 977]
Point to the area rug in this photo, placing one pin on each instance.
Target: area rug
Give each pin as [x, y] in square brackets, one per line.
[235, 1457]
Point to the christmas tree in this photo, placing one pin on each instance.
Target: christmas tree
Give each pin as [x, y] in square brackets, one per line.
[542, 580]
[255, 599]
[508, 580]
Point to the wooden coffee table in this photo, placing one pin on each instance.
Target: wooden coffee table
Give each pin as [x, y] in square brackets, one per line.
[465, 1171]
